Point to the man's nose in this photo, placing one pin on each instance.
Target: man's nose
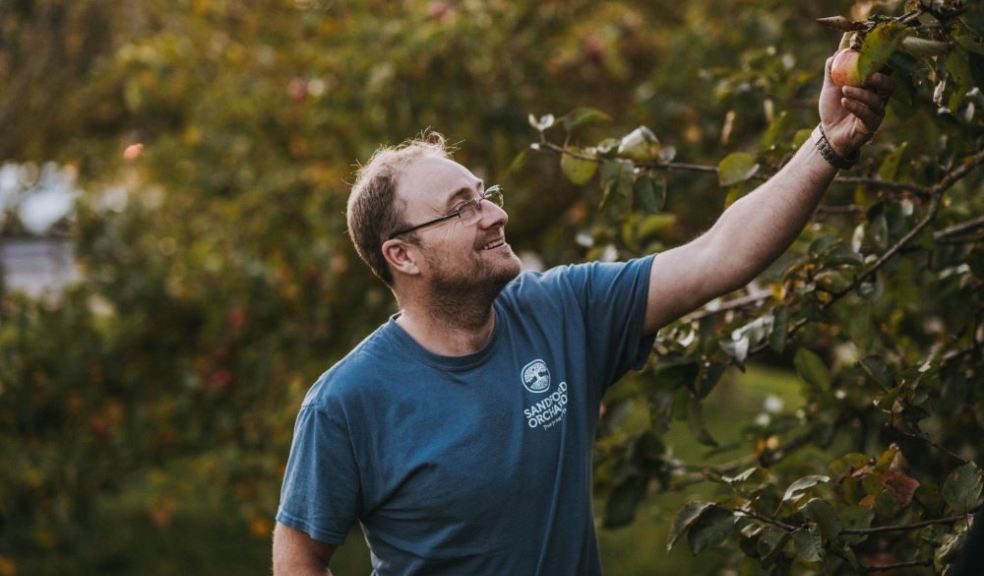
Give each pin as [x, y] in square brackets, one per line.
[492, 215]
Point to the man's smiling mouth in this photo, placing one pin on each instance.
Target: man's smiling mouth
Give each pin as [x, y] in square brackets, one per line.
[494, 244]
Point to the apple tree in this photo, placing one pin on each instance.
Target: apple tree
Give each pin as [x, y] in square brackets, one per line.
[877, 306]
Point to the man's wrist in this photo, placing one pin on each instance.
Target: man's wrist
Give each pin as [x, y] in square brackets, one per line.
[831, 155]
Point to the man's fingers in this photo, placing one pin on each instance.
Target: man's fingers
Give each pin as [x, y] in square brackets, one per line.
[872, 99]
[869, 118]
[881, 83]
[826, 72]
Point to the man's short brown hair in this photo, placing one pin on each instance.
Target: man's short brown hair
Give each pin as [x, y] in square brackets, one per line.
[372, 212]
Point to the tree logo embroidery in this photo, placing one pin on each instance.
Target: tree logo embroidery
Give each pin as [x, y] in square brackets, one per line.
[536, 376]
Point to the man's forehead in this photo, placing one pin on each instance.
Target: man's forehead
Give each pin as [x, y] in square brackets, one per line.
[434, 180]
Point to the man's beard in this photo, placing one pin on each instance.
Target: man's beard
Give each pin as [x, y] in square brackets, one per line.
[465, 298]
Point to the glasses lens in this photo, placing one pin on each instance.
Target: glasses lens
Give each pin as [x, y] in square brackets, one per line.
[469, 212]
[494, 195]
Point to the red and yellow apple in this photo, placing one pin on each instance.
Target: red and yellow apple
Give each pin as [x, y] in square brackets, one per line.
[844, 69]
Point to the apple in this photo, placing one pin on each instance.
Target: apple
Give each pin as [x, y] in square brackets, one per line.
[133, 151]
[844, 69]
[439, 11]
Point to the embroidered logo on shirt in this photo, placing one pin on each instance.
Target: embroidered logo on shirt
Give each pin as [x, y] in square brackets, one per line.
[536, 376]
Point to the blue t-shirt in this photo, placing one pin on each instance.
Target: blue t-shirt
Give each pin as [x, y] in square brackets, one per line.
[477, 464]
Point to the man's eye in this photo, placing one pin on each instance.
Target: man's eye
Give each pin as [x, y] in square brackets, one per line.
[458, 208]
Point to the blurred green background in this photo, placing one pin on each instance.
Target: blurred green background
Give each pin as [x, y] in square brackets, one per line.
[147, 397]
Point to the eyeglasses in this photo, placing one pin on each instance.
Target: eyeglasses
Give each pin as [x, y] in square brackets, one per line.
[468, 212]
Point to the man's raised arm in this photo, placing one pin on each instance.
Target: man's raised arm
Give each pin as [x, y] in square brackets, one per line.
[758, 228]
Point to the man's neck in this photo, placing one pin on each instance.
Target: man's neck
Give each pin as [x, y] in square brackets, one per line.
[449, 331]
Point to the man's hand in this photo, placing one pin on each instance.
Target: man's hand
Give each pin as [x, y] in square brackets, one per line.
[851, 115]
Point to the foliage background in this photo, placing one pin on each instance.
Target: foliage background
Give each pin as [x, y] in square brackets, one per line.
[146, 413]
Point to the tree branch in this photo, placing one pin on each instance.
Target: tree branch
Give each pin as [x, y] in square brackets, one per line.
[912, 526]
[765, 459]
[897, 565]
[959, 229]
[764, 518]
[915, 189]
[741, 302]
[925, 439]
[937, 191]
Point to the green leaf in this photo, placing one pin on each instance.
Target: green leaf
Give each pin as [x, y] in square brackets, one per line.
[736, 167]
[856, 518]
[736, 349]
[824, 244]
[678, 375]
[878, 47]
[809, 545]
[685, 519]
[582, 117]
[890, 165]
[577, 170]
[962, 488]
[661, 410]
[741, 476]
[801, 136]
[650, 192]
[812, 369]
[710, 529]
[617, 179]
[969, 43]
[780, 323]
[977, 69]
[796, 489]
[877, 231]
[821, 512]
[949, 549]
[708, 377]
[519, 161]
[640, 145]
[621, 506]
[958, 65]
[923, 47]
[771, 541]
[878, 371]
[697, 424]
[774, 133]
[973, 17]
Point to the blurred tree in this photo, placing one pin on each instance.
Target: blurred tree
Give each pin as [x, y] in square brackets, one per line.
[218, 280]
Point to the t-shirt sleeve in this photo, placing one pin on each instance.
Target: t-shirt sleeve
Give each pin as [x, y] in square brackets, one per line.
[320, 493]
[613, 298]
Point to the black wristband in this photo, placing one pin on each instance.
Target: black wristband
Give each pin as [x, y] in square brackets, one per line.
[831, 155]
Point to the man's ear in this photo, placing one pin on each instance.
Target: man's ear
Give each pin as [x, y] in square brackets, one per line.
[401, 256]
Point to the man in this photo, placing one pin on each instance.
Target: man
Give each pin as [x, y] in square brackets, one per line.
[459, 433]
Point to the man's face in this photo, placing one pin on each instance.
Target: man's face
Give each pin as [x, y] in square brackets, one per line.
[456, 256]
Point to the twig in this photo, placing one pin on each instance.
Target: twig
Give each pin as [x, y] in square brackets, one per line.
[705, 312]
[897, 565]
[949, 453]
[764, 518]
[921, 191]
[959, 229]
[846, 209]
[913, 526]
